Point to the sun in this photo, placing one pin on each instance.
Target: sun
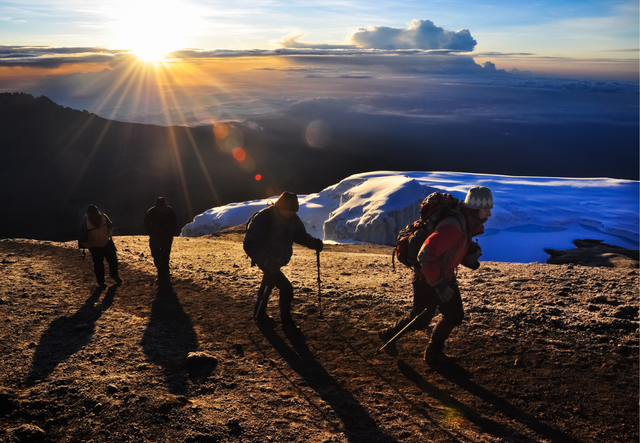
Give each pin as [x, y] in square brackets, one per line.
[150, 29]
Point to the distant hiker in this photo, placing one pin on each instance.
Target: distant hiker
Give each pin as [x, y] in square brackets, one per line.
[434, 280]
[96, 231]
[269, 240]
[160, 224]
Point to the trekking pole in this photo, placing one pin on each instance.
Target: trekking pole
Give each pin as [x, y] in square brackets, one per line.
[319, 283]
[261, 297]
[404, 330]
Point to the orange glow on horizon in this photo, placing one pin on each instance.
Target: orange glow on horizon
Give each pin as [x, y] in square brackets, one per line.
[65, 69]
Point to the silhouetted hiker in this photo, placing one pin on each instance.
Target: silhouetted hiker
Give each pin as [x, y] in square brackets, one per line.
[269, 240]
[160, 223]
[434, 280]
[96, 231]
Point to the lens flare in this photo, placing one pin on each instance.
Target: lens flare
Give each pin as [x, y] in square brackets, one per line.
[317, 134]
[228, 137]
[239, 154]
[220, 130]
[258, 177]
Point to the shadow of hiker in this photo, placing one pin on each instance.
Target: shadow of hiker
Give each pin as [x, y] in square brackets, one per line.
[168, 339]
[67, 335]
[358, 425]
[461, 377]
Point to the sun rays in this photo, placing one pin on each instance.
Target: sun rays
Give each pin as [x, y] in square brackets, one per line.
[151, 29]
[134, 82]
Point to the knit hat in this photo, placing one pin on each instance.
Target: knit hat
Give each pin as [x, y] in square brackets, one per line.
[161, 202]
[287, 201]
[479, 197]
[93, 210]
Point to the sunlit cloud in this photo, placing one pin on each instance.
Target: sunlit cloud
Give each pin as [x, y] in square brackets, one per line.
[420, 34]
[291, 41]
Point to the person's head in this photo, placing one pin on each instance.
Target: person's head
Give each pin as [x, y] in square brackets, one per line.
[93, 214]
[287, 204]
[479, 199]
[161, 203]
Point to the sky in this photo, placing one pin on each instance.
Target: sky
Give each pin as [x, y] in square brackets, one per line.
[529, 213]
[437, 69]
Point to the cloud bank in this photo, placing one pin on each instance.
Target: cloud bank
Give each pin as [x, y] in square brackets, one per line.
[53, 57]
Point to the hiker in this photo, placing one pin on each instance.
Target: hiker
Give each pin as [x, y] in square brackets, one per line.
[269, 240]
[96, 231]
[434, 279]
[160, 224]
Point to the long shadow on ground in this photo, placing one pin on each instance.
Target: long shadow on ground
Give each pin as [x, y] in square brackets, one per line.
[169, 337]
[67, 335]
[358, 425]
[462, 378]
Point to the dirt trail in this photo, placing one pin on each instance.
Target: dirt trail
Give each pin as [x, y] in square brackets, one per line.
[548, 353]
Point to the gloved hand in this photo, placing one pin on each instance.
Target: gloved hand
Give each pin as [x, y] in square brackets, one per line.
[269, 266]
[471, 259]
[319, 245]
[444, 291]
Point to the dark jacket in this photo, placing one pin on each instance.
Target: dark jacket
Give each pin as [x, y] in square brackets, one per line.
[270, 236]
[159, 223]
[95, 233]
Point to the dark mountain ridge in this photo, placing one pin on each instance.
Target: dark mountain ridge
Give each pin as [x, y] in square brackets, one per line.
[57, 161]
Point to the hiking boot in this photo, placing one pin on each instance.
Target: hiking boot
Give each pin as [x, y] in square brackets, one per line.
[385, 335]
[288, 321]
[261, 317]
[432, 356]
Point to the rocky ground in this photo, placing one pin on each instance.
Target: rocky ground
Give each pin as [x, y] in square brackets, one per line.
[548, 353]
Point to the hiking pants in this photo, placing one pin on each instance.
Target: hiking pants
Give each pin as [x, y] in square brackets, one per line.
[160, 251]
[452, 316]
[426, 297]
[98, 255]
[276, 280]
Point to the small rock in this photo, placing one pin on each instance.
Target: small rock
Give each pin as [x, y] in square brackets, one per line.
[97, 408]
[112, 389]
[385, 285]
[28, 433]
[200, 357]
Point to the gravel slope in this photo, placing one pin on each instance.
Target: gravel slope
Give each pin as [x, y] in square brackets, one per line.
[548, 353]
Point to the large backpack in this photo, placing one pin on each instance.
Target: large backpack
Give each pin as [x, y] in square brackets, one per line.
[434, 209]
[264, 235]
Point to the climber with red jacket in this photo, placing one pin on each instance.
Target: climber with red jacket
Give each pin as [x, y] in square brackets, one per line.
[434, 281]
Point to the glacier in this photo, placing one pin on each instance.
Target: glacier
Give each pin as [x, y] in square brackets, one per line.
[529, 214]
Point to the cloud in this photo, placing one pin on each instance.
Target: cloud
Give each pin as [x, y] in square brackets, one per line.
[421, 34]
[291, 41]
[52, 57]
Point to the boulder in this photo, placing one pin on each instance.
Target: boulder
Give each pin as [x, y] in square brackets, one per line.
[594, 253]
